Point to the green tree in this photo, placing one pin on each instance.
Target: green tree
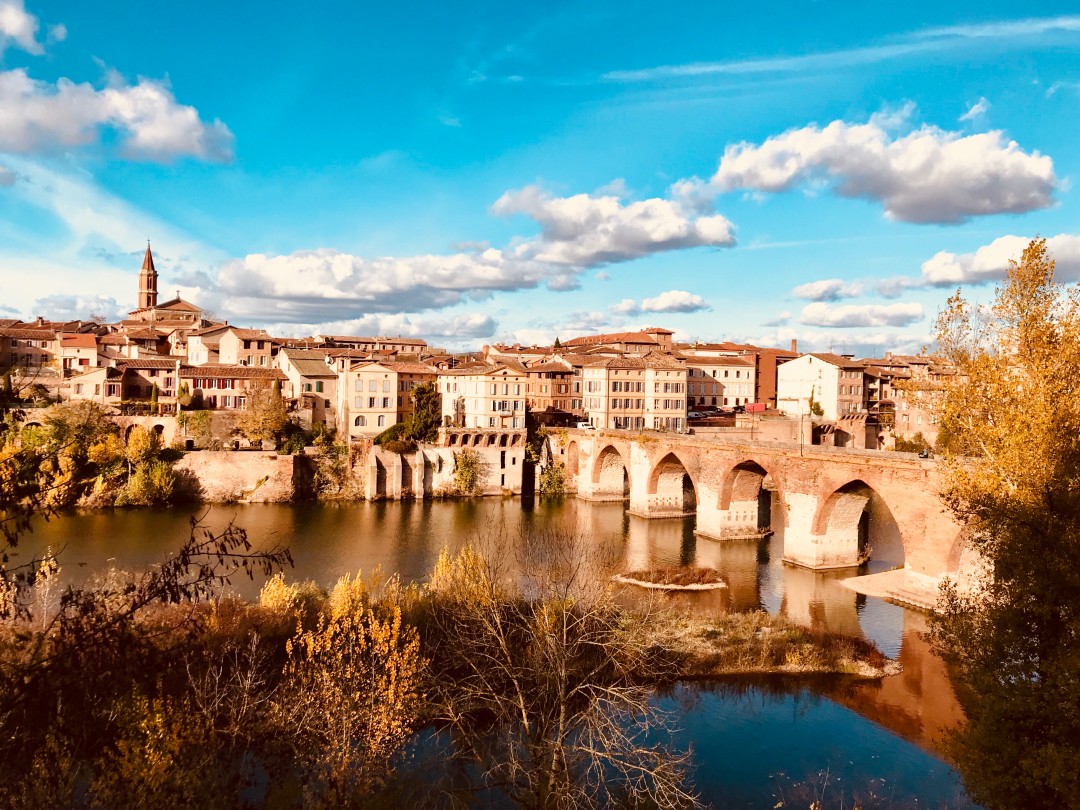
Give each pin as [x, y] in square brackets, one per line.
[154, 399]
[558, 344]
[470, 472]
[1012, 470]
[423, 424]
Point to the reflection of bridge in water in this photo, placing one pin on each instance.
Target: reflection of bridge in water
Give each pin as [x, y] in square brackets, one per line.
[919, 704]
[833, 508]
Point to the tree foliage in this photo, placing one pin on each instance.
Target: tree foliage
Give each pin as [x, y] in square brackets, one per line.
[423, 424]
[543, 693]
[1013, 478]
[553, 478]
[264, 416]
[470, 472]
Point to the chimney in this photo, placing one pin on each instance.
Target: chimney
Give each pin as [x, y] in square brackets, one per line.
[888, 355]
[794, 346]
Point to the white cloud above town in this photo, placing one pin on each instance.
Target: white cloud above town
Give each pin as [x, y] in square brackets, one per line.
[928, 175]
[830, 289]
[18, 27]
[669, 301]
[990, 262]
[79, 307]
[856, 315]
[452, 328]
[586, 230]
[37, 116]
[578, 233]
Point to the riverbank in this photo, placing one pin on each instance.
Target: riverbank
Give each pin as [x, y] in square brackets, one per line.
[759, 644]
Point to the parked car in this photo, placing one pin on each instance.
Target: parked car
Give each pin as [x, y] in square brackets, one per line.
[584, 426]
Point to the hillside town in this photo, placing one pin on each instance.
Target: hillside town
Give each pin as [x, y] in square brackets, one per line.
[168, 356]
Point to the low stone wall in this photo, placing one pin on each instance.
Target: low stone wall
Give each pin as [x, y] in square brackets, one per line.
[245, 476]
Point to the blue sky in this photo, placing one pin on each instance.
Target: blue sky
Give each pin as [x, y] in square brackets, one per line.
[816, 170]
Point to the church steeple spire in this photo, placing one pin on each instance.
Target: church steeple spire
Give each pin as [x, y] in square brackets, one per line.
[148, 281]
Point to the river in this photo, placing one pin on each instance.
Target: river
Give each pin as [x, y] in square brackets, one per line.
[756, 743]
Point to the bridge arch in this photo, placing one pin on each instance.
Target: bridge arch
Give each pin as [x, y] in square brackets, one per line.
[671, 487]
[610, 475]
[745, 498]
[859, 525]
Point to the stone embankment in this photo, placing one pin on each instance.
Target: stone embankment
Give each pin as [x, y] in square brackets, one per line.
[243, 477]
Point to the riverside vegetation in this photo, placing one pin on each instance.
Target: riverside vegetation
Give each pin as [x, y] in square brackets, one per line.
[1010, 435]
[158, 689]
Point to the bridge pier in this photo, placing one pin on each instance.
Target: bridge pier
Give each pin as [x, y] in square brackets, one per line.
[742, 520]
[838, 546]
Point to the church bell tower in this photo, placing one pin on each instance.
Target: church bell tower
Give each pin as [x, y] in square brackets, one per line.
[148, 282]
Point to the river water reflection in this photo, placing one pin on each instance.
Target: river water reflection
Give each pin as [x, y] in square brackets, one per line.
[878, 734]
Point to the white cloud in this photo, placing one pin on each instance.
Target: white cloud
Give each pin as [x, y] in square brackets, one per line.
[990, 262]
[928, 175]
[57, 33]
[978, 109]
[1057, 87]
[783, 319]
[831, 289]
[586, 230]
[669, 301]
[324, 284]
[7, 176]
[821, 314]
[1011, 32]
[78, 307]
[18, 27]
[36, 115]
[896, 286]
[464, 327]
[577, 234]
[675, 301]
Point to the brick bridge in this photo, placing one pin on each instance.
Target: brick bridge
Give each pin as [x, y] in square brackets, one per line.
[836, 504]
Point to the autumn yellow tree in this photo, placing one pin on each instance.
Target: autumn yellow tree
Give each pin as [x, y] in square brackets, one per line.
[264, 415]
[1012, 467]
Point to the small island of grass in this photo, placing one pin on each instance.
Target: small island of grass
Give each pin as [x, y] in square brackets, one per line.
[674, 578]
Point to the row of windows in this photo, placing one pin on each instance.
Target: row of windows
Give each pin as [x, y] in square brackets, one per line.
[376, 402]
[700, 372]
[30, 344]
[373, 386]
[627, 386]
[214, 382]
[361, 421]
